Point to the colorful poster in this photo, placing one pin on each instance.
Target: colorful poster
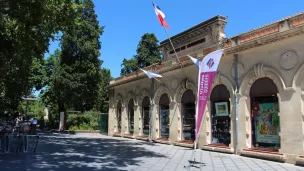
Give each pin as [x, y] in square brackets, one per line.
[207, 70]
[221, 109]
[267, 124]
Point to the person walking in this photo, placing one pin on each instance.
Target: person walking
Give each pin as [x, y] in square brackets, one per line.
[34, 126]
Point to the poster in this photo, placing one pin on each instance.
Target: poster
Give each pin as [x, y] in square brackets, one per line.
[267, 124]
[221, 109]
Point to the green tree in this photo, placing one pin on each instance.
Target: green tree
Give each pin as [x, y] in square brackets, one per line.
[103, 93]
[25, 30]
[148, 53]
[79, 76]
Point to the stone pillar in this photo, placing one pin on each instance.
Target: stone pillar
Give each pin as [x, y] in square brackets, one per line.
[137, 121]
[291, 121]
[140, 120]
[112, 121]
[124, 121]
[179, 114]
[173, 117]
[232, 123]
[155, 122]
[244, 129]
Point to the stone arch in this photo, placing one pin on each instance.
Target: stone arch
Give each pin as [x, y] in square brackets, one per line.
[259, 71]
[160, 91]
[221, 79]
[298, 78]
[144, 93]
[181, 90]
[119, 98]
[130, 95]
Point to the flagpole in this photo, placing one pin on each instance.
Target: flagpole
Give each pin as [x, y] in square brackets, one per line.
[173, 47]
[151, 116]
[151, 111]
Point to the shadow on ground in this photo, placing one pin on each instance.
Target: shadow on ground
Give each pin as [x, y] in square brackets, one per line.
[63, 153]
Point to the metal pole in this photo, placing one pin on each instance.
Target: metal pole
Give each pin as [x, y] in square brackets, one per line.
[151, 110]
[236, 101]
[151, 116]
[173, 47]
[27, 104]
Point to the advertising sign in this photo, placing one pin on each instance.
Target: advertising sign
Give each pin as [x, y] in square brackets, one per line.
[267, 124]
[221, 109]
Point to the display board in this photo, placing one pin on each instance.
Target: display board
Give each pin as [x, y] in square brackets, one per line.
[267, 124]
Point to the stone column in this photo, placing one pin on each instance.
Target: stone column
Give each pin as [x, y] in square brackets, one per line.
[291, 121]
[173, 117]
[179, 114]
[232, 123]
[244, 130]
[112, 121]
[155, 122]
[124, 121]
[136, 120]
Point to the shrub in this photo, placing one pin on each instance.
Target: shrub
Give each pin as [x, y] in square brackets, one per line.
[85, 121]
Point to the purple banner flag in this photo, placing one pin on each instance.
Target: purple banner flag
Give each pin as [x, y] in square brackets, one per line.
[207, 71]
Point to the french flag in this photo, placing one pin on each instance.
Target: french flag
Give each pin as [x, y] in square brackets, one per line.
[195, 61]
[160, 15]
[151, 74]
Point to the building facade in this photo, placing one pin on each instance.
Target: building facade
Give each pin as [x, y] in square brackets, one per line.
[256, 105]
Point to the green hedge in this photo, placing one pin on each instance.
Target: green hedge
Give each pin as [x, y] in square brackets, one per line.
[85, 121]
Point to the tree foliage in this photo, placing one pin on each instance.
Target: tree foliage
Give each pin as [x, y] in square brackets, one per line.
[25, 30]
[102, 104]
[77, 81]
[148, 53]
[79, 64]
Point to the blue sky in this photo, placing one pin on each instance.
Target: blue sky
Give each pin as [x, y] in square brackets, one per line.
[126, 21]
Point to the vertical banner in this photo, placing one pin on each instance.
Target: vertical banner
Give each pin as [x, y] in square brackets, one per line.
[207, 70]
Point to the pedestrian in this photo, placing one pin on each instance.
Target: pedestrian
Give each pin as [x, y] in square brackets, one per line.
[34, 126]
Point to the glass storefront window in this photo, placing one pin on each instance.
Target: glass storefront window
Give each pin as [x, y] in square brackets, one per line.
[118, 116]
[221, 123]
[188, 119]
[265, 122]
[146, 120]
[131, 116]
[164, 121]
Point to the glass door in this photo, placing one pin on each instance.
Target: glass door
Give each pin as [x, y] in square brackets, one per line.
[131, 120]
[265, 122]
[188, 121]
[221, 123]
[146, 120]
[164, 121]
[119, 120]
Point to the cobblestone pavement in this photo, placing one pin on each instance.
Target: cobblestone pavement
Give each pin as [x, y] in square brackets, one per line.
[92, 152]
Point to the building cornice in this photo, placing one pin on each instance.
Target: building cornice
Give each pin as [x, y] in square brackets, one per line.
[274, 32]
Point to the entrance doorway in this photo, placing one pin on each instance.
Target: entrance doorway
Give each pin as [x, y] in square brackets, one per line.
[145, 115]
[220, 113]
[131, 116]
[188, 115]
[265, 122]
[164, 116]
[118, 116]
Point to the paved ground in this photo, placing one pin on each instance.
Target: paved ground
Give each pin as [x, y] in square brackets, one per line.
[75, 153]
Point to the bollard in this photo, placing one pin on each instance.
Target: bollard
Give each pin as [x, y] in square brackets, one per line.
[7, 144]
[25, 143]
